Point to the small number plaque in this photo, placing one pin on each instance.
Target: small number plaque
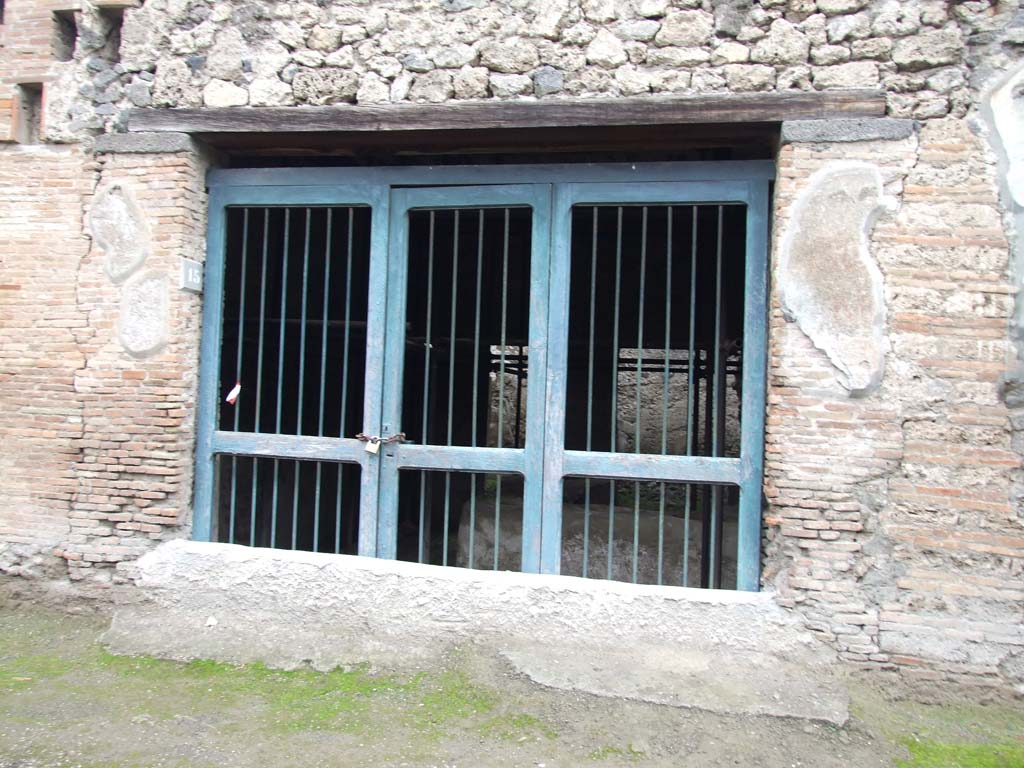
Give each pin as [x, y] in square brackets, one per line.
[191, 276]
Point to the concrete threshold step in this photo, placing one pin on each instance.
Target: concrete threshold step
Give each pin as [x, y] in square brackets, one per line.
[719, 680]
[718, 650]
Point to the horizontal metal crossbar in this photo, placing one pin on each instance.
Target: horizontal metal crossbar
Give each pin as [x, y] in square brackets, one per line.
[299, 184]
[640, 466]
[288, 446]
[460, 458]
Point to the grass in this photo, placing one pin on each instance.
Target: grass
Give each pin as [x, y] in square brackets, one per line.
[953, 735]
[937, 754]
[20, 672]
[609, 752]
[517, 727]
[307, 700]
[55, 674]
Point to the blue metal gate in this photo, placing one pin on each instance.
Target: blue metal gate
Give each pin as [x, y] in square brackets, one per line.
[556, 369]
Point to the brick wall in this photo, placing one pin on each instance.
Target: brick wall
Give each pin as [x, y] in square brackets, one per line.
[890, 522]
[25, 54]
[134, 466]
[43, 189]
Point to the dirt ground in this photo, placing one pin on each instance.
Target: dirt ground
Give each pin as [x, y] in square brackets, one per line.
[65, 702]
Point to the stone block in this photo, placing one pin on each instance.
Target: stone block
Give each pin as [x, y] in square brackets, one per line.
[511, 56]
[325, 86]
[846, 130]
[220, 93]
[434, 87]
[934, 48]
[785, 44]
[855, 74]
[686, 28]
[606, 50]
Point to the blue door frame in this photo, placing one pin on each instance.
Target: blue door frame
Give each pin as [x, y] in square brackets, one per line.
[550, 191]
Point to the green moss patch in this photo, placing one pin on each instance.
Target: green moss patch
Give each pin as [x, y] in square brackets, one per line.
[936, 754]
[19, 672]
[608, 752]
[517, 727]
[294, 700]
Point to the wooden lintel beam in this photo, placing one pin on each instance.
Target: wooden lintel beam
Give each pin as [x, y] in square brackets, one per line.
[116, 5]
[554, 113]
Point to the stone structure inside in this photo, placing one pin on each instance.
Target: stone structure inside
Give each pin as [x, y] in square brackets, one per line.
[893, 523]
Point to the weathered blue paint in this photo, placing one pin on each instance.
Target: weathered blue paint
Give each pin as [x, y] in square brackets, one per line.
[440, 175]
[653, 466]
[551, 191]
[287, 446]
[755, 365]
[208, 441]
[460, 458]
[209, 363]
[453, 458]
[560, 463]
[377, 315]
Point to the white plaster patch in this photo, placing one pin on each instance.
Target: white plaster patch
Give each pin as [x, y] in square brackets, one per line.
[120, 228]
[1007, 104]
[830, 283]
[144, 313]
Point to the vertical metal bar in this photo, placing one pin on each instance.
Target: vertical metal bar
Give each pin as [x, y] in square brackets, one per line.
[207, 400]
[280, 366]
[714, 560]
[590, 389]
[346, 337]
[501, 383]
[386, 258]
[754, 361]
[238, 366]
[451, 382]
[302, 376]
[524, 304]
[615, 386]
[426, 381]
[639, 377]
[691, 415]
[717, 383]
[347, 326]
[548, 324]
[519, 398]
[476, 372]
[669, 212]
[259, 371]
[323, 373]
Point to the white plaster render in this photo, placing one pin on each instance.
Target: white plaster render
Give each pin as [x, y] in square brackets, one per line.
[142, 326]
[1007, 105]
[120, 229]
[831, 285]
[292, 608]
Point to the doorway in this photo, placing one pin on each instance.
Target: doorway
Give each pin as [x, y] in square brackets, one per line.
[563, 376]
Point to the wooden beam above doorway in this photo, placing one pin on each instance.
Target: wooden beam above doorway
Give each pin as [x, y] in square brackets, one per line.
[553, 113]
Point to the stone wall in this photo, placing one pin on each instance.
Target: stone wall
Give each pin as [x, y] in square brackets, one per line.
[174, 53]
[893, 472]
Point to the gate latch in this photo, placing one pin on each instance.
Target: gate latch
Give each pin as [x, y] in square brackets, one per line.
[374, 442]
